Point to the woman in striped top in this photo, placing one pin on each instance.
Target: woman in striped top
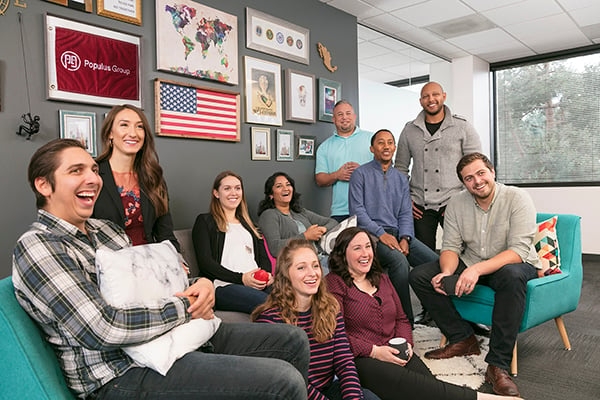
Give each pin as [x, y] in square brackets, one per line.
[373, 315]
[299, 297]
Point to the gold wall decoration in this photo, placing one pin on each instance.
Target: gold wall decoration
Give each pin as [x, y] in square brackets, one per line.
[20, 3]
[326, 56]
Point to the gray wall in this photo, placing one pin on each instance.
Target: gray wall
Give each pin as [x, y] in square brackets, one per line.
[190, 165]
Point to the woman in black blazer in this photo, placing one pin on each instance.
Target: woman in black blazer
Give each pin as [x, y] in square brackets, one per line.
[230, 250]
[134, 194]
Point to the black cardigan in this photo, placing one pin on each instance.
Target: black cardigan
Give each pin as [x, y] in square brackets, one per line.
[110, 206]
[208, 244]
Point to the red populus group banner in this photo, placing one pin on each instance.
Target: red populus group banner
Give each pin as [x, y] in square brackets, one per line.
[92, 65]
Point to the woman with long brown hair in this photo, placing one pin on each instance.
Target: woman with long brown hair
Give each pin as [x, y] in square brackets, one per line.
[299, 297]
[230, 250]
[134, 194]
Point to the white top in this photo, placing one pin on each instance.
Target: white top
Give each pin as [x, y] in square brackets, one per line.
[238, 251]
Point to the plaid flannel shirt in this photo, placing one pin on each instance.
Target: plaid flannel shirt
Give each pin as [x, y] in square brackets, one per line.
[54, 275]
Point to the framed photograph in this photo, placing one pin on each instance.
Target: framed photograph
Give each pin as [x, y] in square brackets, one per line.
[82, 5]
[305, 147]
[80, 126]
[122, 10]
[299, 96]
[330, 92]
[275, 36]
[261, 143]
[263, 91]
[196, 112]
[89, 64]
[285, 145]
[196, 40]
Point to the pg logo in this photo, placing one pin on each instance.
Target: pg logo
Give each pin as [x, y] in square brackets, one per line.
[70, 61]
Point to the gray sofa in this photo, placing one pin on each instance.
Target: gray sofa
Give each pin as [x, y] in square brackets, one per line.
[184, 236]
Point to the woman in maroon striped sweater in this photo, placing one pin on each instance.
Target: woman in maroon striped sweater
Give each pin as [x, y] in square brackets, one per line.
[299, 297]
[373, 315]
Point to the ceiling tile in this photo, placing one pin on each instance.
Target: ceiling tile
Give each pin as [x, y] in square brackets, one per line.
[391, 43]
[419, 36]
[575, 4]
[522, 11]
[483, 5]
[586, 16]
[387, 23]
[365, 33]
[356, 7]
[432, 12]
[379, 76]
[508, 54]
[478, 40]
[553, 33]
[391, 5]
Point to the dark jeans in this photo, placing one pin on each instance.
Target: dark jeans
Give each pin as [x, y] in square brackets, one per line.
[426, 227]
[250, 361]
[340, 218]
[413, 381]
[240, 298]
[397, 266]
[510, 285]
[334, 392]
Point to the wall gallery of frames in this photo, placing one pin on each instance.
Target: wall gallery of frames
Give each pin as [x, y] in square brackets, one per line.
[226, 85]
[91, 64]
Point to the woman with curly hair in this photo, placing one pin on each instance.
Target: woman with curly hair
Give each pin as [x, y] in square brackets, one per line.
[282, 217]
[373, 315]
[230, 250]
[134, 194]
[299, 297]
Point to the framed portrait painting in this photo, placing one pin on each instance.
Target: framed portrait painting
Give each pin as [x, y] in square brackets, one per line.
[196, 40]
[305, 147]
[261, 143]
[285, 145]
[80, 126]
[263, 91]
[330, 92]
[299, 96]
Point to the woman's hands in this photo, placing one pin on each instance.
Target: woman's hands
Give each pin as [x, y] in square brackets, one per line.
[249, 280]
[388, 354]
[314, 232]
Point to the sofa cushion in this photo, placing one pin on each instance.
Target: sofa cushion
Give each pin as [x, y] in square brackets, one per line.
[546, 245]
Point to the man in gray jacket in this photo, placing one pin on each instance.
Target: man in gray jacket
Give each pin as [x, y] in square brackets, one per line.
[435, 141]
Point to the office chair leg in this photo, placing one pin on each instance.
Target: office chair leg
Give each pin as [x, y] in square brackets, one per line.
[563, 332]
[513, 363]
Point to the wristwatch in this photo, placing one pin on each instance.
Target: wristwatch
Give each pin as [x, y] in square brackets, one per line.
[408, 238]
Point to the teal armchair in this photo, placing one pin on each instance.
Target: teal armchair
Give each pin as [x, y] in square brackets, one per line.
[547, 298]
[30, 369]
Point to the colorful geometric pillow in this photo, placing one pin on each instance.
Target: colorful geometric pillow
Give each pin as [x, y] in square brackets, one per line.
[546, 245]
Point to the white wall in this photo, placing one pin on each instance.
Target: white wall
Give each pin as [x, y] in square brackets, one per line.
[384, 106]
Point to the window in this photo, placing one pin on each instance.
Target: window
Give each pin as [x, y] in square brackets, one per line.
[547, 121]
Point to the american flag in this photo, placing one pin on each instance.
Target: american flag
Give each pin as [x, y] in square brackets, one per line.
[196, 112]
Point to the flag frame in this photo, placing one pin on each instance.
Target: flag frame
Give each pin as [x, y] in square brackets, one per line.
[214, 133]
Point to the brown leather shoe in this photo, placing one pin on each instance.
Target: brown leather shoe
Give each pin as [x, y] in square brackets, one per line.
[501, 381]
[465, 347]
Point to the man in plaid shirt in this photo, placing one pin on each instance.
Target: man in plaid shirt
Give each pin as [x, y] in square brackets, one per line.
[55, 282]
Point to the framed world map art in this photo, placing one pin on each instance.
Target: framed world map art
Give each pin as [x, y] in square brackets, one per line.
[196, 40]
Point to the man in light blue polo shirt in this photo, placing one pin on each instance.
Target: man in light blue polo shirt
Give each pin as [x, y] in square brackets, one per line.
[340, 155]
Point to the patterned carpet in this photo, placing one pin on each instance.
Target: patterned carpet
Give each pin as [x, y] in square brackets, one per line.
[467, 371]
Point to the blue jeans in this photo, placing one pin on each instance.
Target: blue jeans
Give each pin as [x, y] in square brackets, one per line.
[397, 266]
[249, 361]
[240, 298]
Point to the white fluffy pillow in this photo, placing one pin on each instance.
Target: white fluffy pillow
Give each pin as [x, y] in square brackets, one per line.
[327, 241]
[145, 274]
